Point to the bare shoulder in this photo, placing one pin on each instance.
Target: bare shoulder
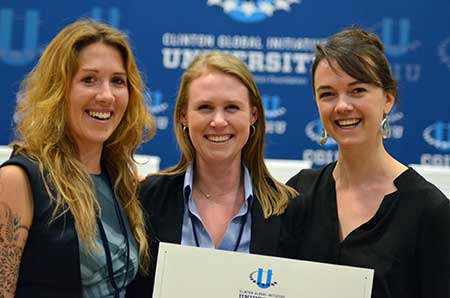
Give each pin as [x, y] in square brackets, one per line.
[16, 214]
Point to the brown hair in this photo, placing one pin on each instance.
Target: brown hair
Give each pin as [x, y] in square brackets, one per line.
[359, 54]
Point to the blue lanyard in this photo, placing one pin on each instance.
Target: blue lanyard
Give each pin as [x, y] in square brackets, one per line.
[105, 243]
[241, 230]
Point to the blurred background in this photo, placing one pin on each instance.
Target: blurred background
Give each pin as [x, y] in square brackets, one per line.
[276, 39]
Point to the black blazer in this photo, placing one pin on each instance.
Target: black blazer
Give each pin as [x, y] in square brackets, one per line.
[163, 203]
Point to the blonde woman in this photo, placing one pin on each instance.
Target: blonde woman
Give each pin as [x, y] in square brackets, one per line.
[70, 221]
[220, 195]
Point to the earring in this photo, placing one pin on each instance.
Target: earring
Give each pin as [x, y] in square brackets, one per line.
[385, 128]
[185, 129]
[252, 130]
[323, 137]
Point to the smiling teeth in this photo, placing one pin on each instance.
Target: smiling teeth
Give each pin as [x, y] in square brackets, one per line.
[100, 115]
[218, 139]
[348, 122]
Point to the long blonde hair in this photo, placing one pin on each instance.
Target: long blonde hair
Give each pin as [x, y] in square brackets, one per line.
[43, 134]
[272, 195]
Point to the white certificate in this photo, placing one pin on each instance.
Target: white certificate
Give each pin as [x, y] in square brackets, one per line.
[184, 271]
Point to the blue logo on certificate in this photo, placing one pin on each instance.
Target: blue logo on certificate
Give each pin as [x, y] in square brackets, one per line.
[263, 279]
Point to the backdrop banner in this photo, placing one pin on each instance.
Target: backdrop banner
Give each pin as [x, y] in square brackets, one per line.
[276, 39]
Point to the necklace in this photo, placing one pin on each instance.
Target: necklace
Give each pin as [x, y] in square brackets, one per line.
[209, 196]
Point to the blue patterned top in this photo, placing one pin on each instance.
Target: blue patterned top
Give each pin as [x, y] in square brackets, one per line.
[94, 271]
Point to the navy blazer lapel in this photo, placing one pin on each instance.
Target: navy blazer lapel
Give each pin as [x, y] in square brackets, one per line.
[265, 232]
[171, 221]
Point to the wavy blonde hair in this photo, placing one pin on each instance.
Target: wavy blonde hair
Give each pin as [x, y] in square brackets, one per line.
[43, 134]
[272, 195]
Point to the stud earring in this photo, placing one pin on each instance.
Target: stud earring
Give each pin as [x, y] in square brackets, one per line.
[385, 128]
[185, 129]
[323, 137]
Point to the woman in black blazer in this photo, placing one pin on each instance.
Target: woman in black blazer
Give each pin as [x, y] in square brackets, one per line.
[220, 194]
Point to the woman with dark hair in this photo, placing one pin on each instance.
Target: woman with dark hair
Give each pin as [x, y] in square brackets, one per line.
[367, 209]
[70, 220]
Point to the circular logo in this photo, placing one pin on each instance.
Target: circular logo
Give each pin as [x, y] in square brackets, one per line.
[252, 11]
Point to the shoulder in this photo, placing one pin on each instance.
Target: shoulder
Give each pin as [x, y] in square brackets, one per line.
[306, 178]
[22, 160]
[154, 182]
[158, 187]
[412, 184]
[15, 193]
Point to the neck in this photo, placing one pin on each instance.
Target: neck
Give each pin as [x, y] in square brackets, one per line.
[91, 159]
[222, 183]
[360, 166]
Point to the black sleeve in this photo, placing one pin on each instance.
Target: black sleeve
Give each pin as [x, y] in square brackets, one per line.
[291, 228]
[303, 181]
[434, 253]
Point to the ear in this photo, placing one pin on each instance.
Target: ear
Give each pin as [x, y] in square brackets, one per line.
[254, 115]
[389, 103]
[183, 119]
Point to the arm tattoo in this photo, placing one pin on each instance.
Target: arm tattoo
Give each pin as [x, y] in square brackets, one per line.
[12, 240]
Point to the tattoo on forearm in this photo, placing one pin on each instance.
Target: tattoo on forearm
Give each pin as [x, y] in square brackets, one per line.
[12, 241]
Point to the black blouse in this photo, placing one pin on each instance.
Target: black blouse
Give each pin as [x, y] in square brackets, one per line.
[406, 242]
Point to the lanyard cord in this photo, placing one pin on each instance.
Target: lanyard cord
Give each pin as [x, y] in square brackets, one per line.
[108, 252]
[241, 230]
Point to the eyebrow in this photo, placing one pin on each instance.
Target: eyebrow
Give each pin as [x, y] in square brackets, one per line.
[96, 71]
[326, 87]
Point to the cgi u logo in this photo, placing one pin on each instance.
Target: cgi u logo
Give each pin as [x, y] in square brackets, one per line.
[387, 35]
[272, 106]
[263, 284]
[313, 131]
[438, 135]
[113, 15]
[30, 49]
[155, 102]
[267, 283]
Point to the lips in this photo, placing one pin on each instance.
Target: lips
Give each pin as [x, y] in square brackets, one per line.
[218, 139]
[348, 122]
[100, 115]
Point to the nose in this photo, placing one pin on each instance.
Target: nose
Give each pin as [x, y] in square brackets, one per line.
[219, 119]
[105, 94]
[343, 104]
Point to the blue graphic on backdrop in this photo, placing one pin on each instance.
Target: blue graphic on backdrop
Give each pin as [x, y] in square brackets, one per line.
[113, 15]
[444, 51]
[394, 117]
[397, 40]
[259, 278]
[272, 106]
[397, 45]
[30, 50]
[252, 11]
[313, 131]
[273, 110]
[438, 135]
[157, 107]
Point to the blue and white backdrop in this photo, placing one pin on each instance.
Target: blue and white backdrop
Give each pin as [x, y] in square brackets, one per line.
[276, 39]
